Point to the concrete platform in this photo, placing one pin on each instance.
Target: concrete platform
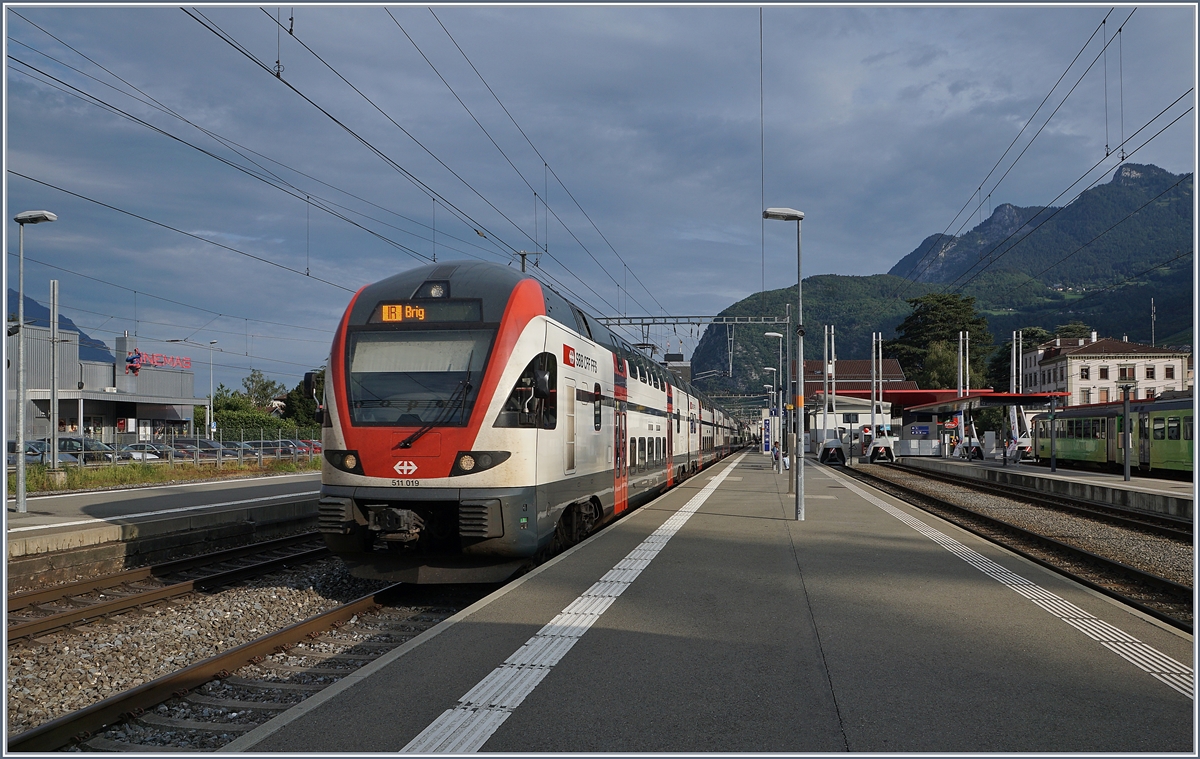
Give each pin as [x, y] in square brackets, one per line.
[64, 536]
[1175, 498]
[709, 620]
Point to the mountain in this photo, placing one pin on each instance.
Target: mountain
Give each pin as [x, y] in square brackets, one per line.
[1099, 260]
[90, 349]
[1107, 233]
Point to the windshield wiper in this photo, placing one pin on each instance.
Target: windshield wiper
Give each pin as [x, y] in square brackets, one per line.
[464, 386]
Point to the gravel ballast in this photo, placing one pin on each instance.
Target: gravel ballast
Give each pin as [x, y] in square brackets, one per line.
[1168, 558]
[67, 670]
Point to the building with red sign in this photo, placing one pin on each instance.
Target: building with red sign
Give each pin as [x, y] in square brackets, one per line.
[138, 396]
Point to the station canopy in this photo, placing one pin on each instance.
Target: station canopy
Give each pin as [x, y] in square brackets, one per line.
[984, 399]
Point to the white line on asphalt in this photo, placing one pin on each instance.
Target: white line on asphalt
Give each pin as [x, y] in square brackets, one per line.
[171, 486]
[481, 711]
[1146, 658]
[163, 511]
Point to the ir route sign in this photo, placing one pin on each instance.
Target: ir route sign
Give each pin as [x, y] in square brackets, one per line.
[405, 468]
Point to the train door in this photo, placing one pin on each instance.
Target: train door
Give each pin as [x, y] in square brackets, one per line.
[1144, 438]
[669, 454]
[1114, 441]
[569, 425]
[620, 450]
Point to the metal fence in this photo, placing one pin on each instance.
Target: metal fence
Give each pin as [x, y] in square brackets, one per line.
[228, 447]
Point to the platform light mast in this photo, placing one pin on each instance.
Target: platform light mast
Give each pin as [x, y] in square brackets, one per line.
[791, 214]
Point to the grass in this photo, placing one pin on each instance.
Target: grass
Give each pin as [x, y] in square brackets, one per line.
[37, 476]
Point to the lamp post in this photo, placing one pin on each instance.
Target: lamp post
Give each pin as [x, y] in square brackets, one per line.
[208, 415]
[790, 214]
[26, 217]
[208, 407]
[1128, 434]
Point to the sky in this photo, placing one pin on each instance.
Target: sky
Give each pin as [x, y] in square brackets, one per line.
[634, 146]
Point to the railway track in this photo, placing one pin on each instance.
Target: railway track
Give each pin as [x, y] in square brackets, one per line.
[34, 613]
[1149, 592]
[211, 702]
[1167, 526]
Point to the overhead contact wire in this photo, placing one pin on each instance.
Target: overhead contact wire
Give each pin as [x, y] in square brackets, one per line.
[1060, 209]
[540, 156]
[1006, 152]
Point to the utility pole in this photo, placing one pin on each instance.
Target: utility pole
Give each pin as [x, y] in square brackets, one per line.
[523, 254]
[54, 377]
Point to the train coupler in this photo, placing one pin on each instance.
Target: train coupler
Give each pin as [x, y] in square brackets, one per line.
[400, 525]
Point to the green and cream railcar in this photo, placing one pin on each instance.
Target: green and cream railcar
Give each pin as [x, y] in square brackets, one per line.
[1162, 440]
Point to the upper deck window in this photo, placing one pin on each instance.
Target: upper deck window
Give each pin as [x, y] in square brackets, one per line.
[415, 377]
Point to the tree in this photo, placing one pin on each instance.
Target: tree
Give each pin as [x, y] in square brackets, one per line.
[225, 399]
[1073, 330]
[261, 391]
[301, 408]
[939, 368]
[938, 318]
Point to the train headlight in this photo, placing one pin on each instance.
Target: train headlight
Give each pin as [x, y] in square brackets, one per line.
[347, 461]
[472, 462]
[433, 289]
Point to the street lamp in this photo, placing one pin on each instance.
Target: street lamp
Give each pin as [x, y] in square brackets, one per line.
[212, 421]
[790, 214]
[1126, 445]
[208, 407]
[26, 217]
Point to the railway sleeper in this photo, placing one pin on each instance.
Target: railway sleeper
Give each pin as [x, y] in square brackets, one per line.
[189, 724]
[229, 703]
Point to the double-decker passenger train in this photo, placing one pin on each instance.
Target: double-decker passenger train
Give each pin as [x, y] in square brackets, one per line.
[475, 421]
[1163, 435]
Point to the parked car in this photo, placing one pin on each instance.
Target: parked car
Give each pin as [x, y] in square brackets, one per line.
[303, 447]
[91, 450]
[185, 451]
[211, 446]
[272, 448]
[35, 453]
[233, 448]
[314, 444]
[146, 451]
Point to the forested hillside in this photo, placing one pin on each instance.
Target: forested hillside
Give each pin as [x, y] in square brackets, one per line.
[1099, 261]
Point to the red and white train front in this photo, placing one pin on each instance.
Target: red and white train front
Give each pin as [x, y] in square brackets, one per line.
[469, 429]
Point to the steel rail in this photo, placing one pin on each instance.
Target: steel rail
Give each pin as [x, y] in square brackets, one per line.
[1166, 526]
[80, 725]
[17, 601]
[1182, 593]
[100, 609]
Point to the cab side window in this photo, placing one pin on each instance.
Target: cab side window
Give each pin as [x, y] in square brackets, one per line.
[533, 401]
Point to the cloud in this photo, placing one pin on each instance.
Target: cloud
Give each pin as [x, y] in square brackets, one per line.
[878, 122]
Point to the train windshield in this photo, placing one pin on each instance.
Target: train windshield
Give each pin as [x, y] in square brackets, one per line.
[415, 378]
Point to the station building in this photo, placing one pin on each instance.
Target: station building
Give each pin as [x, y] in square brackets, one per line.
[136, 397]
[1093, 369]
